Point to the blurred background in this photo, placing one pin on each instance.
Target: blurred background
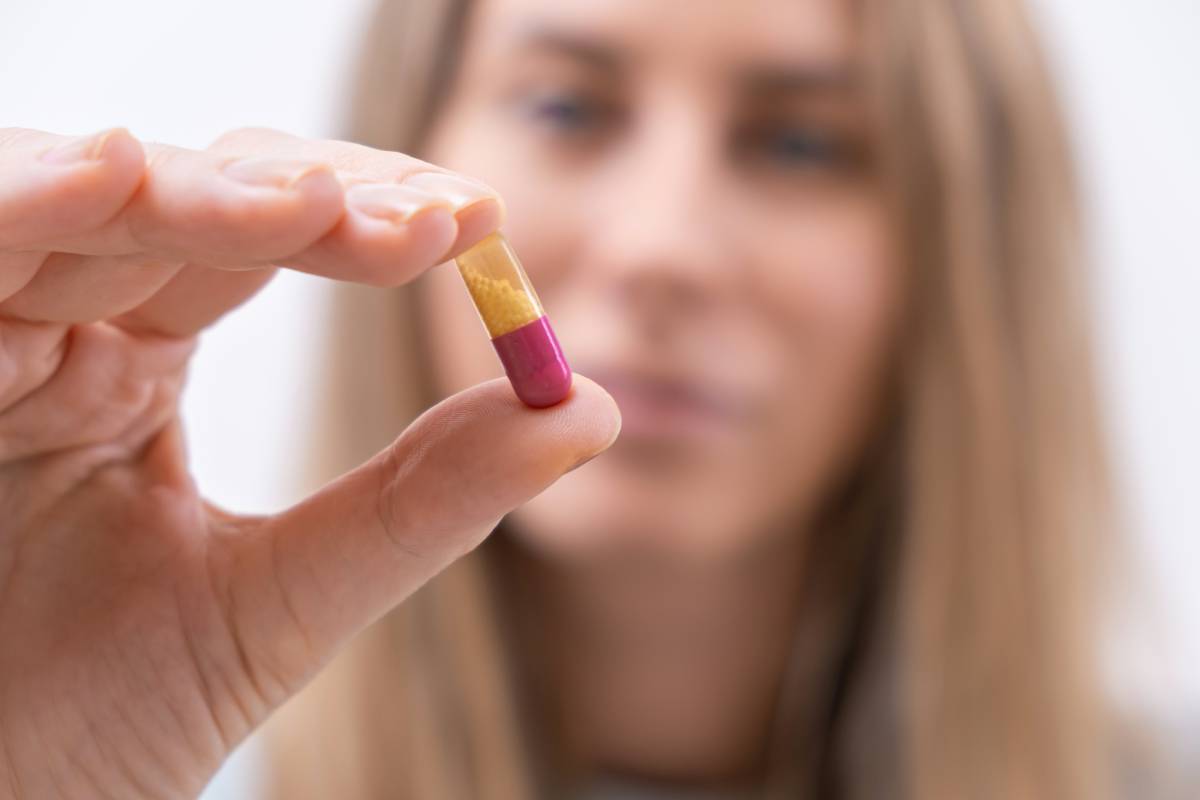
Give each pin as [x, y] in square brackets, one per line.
[183, 72]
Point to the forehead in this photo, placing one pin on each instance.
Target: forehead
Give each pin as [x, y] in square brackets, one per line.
[704, 33]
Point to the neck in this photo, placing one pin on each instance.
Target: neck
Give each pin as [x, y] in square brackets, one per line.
[661, 670]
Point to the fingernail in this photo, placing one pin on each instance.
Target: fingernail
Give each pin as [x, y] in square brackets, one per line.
[392, 202]
[84, 148]
[277, 173]
[458, 191]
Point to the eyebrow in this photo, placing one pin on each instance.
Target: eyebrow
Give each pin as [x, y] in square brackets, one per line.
[581, 48]
[769, 79]
[778, 80]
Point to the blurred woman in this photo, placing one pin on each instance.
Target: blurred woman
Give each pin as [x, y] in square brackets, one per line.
[824, 255]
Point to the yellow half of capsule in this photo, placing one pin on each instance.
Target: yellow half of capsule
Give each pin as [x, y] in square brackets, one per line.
[499, 286]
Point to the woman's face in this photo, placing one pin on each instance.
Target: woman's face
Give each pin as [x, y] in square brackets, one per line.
[690, 188]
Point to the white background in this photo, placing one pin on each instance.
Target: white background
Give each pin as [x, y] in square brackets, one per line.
[183, 71]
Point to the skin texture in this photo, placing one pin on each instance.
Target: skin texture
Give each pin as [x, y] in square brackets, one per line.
[702, 221]
[145, 631]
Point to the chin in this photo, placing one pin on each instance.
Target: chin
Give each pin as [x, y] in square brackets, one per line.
[593, 514]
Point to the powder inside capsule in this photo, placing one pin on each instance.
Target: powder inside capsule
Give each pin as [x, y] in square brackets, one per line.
[515, 321]
[502, 306]
[498, 286]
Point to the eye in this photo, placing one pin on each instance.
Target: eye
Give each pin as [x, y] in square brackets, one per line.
[800, 145]
[564, 112]
[790, 146]
[570, 113]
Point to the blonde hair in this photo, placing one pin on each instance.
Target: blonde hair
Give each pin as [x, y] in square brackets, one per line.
[947, 648]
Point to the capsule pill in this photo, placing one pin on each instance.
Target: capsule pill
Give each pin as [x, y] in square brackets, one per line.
[514, 319]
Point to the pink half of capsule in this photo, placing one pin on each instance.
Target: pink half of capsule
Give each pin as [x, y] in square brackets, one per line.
[534, 363]
[515, 321]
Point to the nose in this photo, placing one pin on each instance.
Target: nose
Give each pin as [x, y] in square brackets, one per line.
[662, 242]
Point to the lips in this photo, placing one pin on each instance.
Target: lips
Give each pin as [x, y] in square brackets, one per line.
[660, 406]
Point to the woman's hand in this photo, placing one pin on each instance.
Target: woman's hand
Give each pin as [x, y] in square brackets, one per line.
[145, 633]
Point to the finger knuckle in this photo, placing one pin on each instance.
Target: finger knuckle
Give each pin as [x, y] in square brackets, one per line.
[244, 138]
[396, 519]
[17, 137]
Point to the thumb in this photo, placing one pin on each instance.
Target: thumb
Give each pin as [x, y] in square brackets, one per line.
[308, 579]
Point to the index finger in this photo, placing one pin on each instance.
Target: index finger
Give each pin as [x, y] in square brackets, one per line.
[383, 188]
[385, 237]
[258, 198]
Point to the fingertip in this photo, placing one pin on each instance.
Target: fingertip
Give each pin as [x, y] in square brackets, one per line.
[378, 251]
[282, 185]
[253, 209]
[66, 186]
[122, 153]
[475, 222]
[114, 145]
[119, 165]
[319, 183]
[585, 423]
[597, 407]
[429, 233]
[320, 197]
[111, 161]
[499, 452]
[478, 208]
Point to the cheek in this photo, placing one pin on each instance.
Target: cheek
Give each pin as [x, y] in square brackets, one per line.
[834, 305]
[833, 282]
[839, 287]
